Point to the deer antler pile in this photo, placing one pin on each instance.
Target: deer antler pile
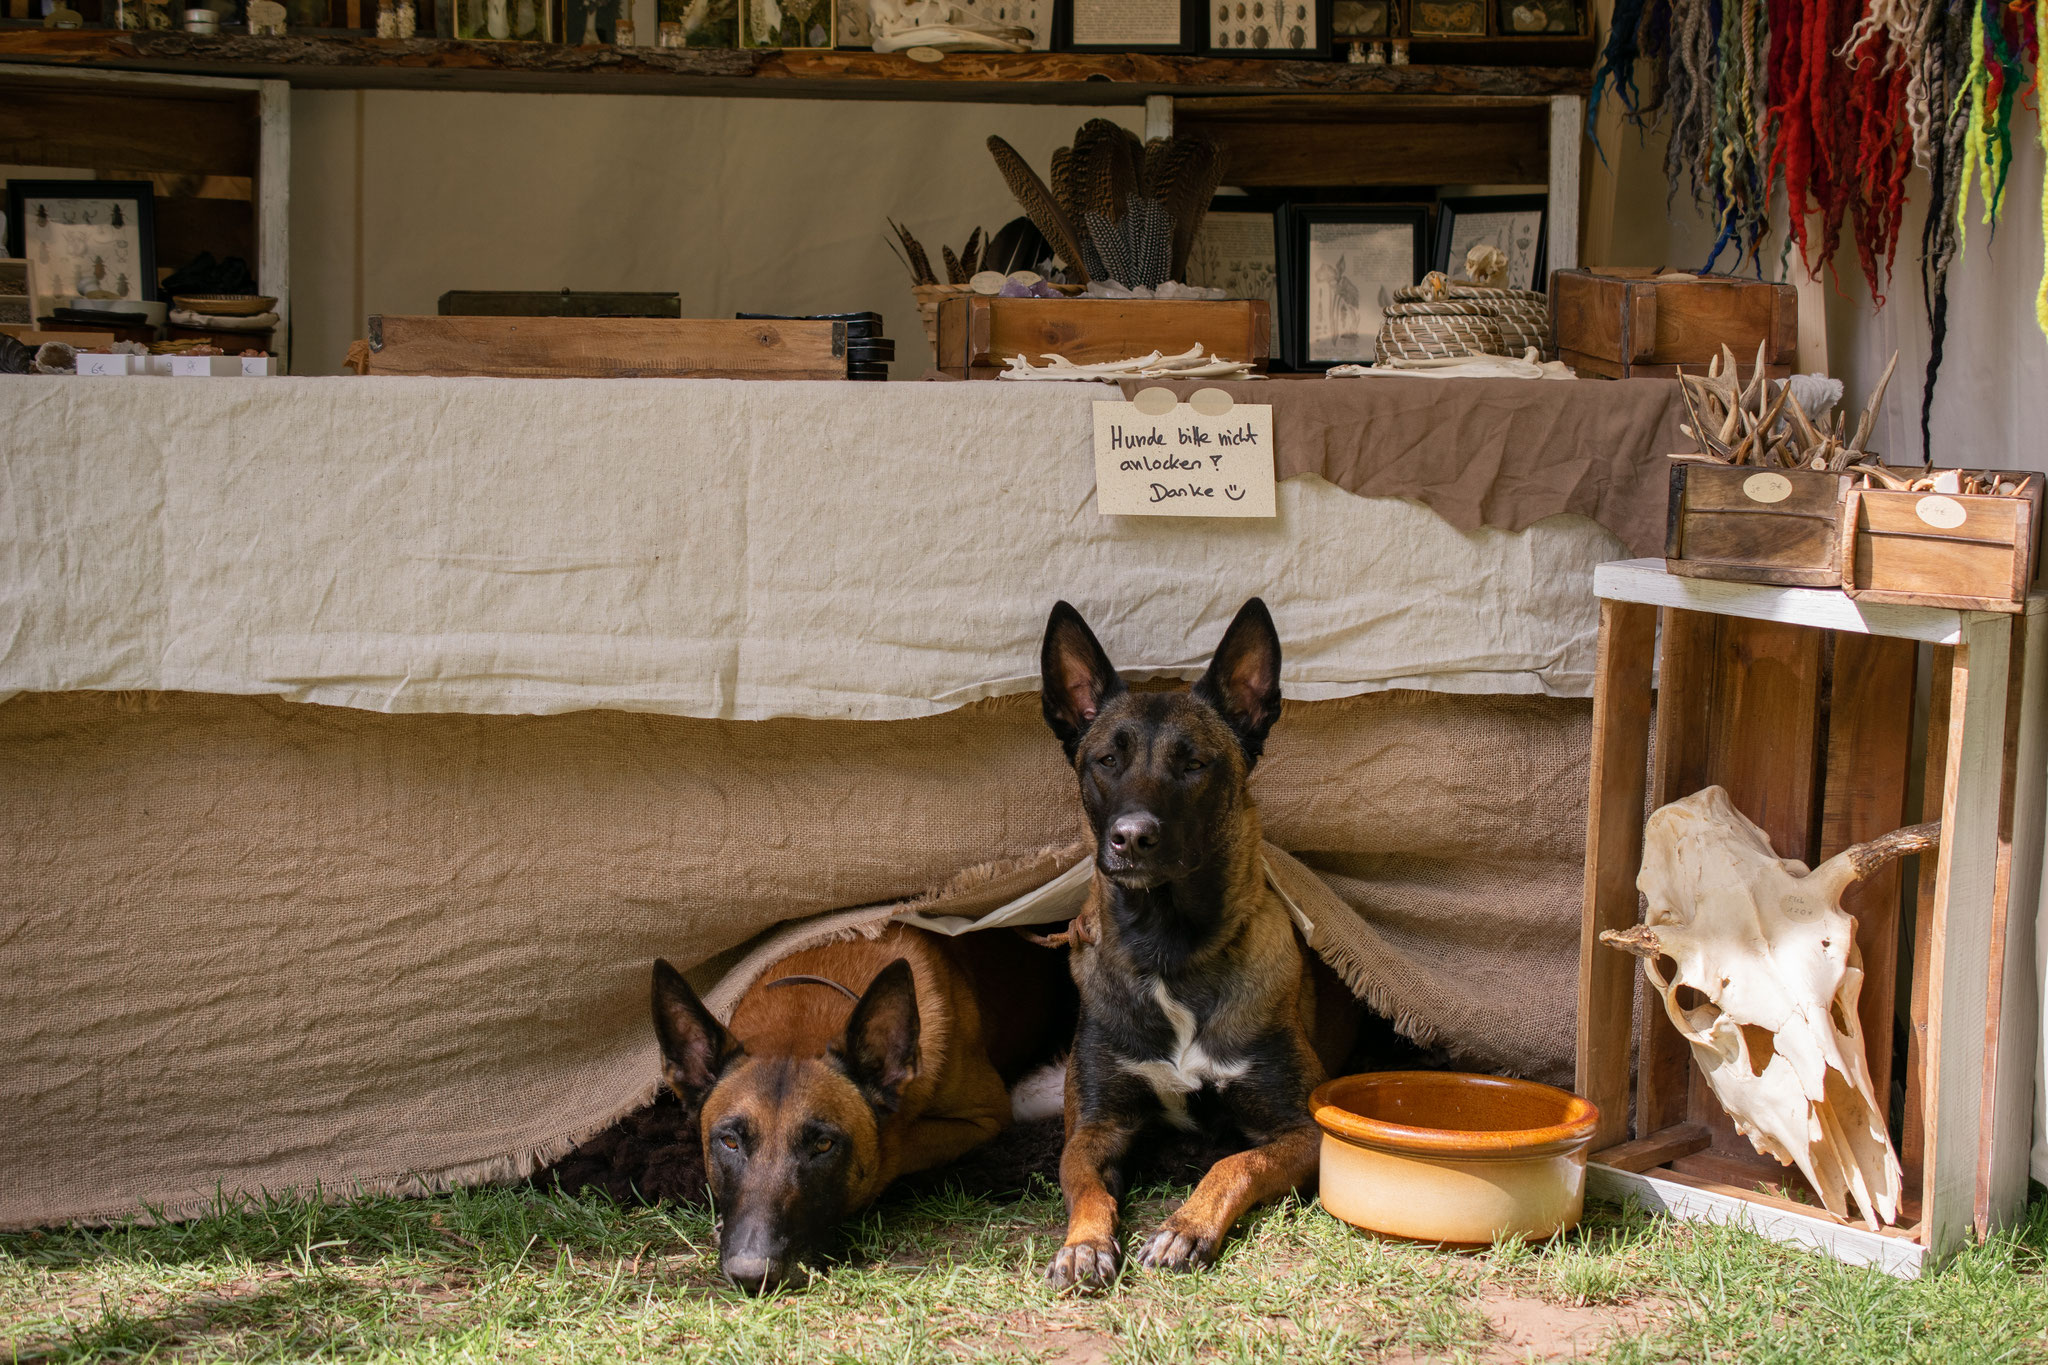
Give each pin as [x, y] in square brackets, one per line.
[1742, 424]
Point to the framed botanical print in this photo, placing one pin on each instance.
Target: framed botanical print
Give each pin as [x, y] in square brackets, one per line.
[1269, 28]
[92, 239]
[1237, 250]
[1337, 261]
[1129, 25]
[1512, 222]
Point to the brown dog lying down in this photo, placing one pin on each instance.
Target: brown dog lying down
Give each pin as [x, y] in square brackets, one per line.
[847, 1065]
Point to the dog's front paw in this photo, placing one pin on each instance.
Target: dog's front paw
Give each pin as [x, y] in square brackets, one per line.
[1172, 1248]
[1083, 1267]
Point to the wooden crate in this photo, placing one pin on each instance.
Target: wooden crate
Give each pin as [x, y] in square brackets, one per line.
[1618, 324]
[1752, 525]
[977, 334]
[605, 348]
[1798, 701]
[1974, 552]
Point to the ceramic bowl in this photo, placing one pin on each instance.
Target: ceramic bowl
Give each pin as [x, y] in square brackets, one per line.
[1447, 1156]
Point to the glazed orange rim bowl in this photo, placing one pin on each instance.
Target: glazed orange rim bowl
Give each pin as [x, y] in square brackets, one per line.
[1450, 1156]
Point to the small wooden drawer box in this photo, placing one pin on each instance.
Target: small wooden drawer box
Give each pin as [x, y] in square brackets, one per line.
[1753, 525]
[1967, 551]
[977, 334]
[1624, 325]
[603, 348]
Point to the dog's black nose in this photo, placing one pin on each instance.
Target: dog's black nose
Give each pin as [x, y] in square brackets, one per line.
[754, 1274]
[1134, 834]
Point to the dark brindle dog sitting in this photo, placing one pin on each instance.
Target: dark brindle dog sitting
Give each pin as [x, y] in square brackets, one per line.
[1193, 989]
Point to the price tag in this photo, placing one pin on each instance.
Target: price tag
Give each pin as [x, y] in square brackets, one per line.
[1207, 457]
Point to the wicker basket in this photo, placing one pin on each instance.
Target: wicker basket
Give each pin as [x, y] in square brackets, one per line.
[1438, 320]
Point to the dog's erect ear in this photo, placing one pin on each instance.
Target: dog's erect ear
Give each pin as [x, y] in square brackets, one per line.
[694, 1047]
[1243, 681]
[1076, 677]
[879, 1051]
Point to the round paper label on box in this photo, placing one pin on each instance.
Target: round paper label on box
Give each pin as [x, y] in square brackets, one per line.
[1944, 514]
[1767, 488]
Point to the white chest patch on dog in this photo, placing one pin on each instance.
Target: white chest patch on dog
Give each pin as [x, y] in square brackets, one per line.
[1187, 1066]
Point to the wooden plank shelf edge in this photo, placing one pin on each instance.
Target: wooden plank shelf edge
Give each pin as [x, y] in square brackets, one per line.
[1647, 582]
[1896, 1251]
[322, 61]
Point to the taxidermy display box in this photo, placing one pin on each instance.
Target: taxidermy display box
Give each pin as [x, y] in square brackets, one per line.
[1620, 324]
[1755, 525]
[1974, 551]
[605, 348]
[977, 334]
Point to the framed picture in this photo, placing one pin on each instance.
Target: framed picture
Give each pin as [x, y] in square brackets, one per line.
[679, 23]
[1512, 222]
[517, 21]
[1447, 18]
[1354, 21]
[17, 294]
[84, 238]
[1237, 250]
[1337, 263]
[1269, 28]
[1128, 25]
[1522, 17]
[789, 23]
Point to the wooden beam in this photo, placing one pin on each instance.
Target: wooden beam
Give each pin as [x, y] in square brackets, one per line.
[115, 129]
[1959, 958]
[273, 210]
[349, 62]
[1614, 854]
[1567, 147]
[1483, 148]
[1869, 753]
[1648, 1153]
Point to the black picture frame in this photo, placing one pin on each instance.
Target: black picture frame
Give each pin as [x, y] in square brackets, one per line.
[1319, 47]
[138, 195]
[1298, 222]
[1450, 259]
[1193, 31]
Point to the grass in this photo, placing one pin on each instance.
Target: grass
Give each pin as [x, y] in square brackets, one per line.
[497, 1274]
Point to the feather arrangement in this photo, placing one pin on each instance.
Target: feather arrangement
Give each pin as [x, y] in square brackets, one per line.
[1127, 209]
[1830, 103]
[960, 265]
[1044, 211]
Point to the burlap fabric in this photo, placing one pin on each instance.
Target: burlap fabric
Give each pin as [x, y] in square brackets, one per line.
[253, 945]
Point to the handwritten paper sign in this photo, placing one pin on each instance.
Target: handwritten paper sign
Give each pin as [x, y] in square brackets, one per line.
[1207, 457]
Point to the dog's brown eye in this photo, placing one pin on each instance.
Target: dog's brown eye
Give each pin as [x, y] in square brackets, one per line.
[822, 1146]
[1193, 765]
[1107, 760]
[730, 1143]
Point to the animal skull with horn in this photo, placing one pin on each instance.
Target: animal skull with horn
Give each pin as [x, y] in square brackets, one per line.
[1772, 958]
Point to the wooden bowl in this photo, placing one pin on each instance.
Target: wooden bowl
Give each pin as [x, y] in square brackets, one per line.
[1448, 1156]
[225, 305]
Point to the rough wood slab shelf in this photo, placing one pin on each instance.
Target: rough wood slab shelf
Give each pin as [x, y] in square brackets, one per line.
[338, 62]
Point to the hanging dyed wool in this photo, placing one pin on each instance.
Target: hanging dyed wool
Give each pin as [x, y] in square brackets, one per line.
[1834, 100]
